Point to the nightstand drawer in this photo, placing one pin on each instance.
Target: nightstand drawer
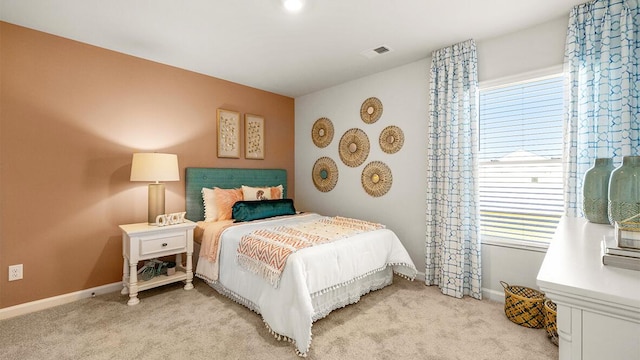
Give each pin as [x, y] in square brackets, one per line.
[158, 245]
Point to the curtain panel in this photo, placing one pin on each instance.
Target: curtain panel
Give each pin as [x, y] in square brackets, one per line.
[452, 218]
[602, 82]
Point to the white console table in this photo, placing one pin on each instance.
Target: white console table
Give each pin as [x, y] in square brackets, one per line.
[598, 305]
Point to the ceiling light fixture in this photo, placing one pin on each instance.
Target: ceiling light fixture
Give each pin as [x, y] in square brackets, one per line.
[293, 5]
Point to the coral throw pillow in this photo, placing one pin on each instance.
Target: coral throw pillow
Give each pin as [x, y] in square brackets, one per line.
[225, 198]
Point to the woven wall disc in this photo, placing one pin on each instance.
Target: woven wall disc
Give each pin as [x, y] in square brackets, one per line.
[376, 178]
[371, 110]
[391, 139]
[325, 174]
[322, 132]
[354, 147]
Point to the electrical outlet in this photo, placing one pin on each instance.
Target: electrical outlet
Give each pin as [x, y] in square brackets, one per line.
[15, 272]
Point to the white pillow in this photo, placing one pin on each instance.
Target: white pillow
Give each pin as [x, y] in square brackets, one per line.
[210, 209]
[256, 193]
[262, 193]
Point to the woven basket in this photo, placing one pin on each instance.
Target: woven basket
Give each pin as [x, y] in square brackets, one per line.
[524, 306]
[550, 313]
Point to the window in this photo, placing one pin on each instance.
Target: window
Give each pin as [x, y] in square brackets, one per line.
[521, 192]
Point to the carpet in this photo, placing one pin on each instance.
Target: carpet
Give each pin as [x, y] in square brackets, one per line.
[406, 320]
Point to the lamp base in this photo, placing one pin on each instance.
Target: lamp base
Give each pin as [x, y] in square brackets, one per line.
[156, 202]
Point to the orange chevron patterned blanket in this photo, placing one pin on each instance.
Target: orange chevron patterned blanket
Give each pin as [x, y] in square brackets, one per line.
[265, 251]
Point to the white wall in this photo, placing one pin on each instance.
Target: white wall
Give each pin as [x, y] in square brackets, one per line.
[532, 49]
[403, 92]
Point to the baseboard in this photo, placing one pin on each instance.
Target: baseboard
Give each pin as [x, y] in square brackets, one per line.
[494, 295]
[487, 294]
[42, 304]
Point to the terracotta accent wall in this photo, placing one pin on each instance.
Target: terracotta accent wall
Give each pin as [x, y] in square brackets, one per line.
[71, 115]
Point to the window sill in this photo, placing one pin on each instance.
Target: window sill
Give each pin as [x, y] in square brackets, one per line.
[516, 244]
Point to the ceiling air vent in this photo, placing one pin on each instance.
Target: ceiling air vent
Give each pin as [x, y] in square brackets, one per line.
[376, 51]
[381, 50]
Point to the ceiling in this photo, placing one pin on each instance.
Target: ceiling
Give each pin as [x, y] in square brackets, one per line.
[258, 44]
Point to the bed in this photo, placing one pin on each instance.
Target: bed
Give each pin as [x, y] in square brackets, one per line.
[314, 280]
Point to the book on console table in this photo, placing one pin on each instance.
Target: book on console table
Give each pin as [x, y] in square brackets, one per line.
[619, 257]
[629, 243]
[612, 247]
[628, 232]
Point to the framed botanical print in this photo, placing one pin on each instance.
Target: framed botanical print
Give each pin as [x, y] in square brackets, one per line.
[253, 136]
[228, 134]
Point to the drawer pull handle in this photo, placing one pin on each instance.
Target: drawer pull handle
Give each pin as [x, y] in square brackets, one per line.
[164, 244]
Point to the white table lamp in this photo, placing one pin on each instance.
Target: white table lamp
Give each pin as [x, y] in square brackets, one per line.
[155, 167]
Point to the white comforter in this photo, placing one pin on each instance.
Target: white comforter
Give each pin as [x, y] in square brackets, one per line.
[288, 309]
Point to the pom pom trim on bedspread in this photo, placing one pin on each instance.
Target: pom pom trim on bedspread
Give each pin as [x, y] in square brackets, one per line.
[348, 301]
[321, 314]
[349, 282]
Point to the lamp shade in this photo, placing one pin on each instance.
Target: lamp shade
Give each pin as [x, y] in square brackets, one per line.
[154, 167]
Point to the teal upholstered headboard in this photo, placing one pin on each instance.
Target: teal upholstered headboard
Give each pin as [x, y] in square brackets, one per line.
[197, 178]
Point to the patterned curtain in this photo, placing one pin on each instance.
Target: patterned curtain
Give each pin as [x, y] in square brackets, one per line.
[602, 80]
[453, 241]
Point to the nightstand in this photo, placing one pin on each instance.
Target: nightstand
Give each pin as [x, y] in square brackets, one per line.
[142, 242]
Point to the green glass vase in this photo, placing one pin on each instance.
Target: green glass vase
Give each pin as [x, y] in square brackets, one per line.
[595, 191]
[624, 190]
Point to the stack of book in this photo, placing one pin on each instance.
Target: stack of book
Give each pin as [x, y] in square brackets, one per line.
[620, 256]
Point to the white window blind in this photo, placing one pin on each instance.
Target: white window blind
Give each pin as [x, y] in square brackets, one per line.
[521, 196]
